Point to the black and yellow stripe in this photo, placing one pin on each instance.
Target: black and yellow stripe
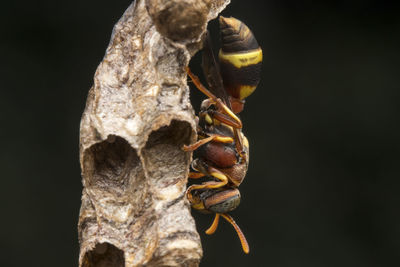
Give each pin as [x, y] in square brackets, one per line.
[240, 58]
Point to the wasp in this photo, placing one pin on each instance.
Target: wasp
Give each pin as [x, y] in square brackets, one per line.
[222, 150]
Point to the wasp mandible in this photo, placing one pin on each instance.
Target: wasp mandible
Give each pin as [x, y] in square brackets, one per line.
[222, 150]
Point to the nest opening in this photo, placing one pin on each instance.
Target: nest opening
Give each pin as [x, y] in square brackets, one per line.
[104, 255]
[163, 154]
[177, 133]
[111, 164]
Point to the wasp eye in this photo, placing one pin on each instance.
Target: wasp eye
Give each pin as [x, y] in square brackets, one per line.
[223, 201]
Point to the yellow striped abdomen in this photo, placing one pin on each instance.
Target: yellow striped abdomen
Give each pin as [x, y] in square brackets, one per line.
[240, 58]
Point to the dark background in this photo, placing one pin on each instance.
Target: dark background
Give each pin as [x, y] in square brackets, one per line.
[322, 188]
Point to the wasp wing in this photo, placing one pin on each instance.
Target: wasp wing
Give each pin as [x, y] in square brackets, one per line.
[212, 72]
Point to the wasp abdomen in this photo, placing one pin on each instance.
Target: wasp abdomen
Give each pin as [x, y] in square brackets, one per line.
[240, 58]
[236, 36]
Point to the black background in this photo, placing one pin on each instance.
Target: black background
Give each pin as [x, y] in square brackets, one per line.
[322, 188]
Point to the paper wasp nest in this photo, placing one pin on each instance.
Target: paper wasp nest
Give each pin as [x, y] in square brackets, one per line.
[137, 117]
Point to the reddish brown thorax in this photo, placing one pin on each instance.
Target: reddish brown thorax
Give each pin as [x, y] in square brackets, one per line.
[221, 155]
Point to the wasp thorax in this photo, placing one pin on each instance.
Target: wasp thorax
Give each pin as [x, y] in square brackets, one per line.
[240, 58]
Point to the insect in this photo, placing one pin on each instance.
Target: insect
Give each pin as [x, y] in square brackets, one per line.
[222, 150]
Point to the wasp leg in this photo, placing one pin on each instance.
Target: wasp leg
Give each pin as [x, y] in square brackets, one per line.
[226, 119]
[196, 145]
[210, 184]
[196, 175]
[222, 180]
[214, 225]
[222, 177]
[237, 122]
[199, 85]
[216, 138]
[239, 143]
[243, 241]
[195, 202]
[218, 102]
[229, 112]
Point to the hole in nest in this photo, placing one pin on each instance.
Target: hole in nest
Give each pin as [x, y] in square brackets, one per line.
[104, 255]
[176, 134]
[164, 158]
[111, 163]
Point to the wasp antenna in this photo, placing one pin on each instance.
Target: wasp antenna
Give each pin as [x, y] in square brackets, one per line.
[239, 232]
[214, 225]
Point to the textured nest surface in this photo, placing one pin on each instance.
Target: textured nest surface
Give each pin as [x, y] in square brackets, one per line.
[137, 118]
